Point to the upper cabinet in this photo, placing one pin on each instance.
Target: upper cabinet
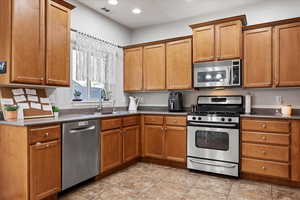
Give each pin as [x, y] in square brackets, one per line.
[271, 54]
[133, 69]
[258, 58]
[286, 55]
[179, 64]
[58, 45]
[27, 47]
[39, 55]
[161, 65]
[218, 40]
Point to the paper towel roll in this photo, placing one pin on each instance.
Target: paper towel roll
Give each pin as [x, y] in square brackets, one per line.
[248, 104]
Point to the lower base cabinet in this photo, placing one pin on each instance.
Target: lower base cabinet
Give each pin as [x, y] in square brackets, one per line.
[119, 141]
[165, 138]
[111, 149]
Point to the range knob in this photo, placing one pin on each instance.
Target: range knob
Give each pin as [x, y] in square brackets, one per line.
[229, 119]
[199, 118]
[194, 118]
[222, 119]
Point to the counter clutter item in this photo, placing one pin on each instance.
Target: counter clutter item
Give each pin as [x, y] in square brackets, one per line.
[286, 110]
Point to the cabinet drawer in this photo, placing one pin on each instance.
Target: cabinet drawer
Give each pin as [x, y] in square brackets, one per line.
[112, 123]
[266, 138]
[269, 152]
[131, 121]
[154, 119]
[176, 121]
[267, 168]
[266, 125]
[43, 134]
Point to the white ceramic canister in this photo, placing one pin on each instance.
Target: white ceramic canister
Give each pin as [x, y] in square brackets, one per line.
[286, 110]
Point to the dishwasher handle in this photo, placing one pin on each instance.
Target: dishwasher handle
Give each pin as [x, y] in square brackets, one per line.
[80, 130]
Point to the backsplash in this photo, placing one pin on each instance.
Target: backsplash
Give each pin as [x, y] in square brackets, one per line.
[261, 98]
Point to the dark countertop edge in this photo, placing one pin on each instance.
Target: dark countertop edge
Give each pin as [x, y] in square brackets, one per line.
[292, 117]
[70, 118]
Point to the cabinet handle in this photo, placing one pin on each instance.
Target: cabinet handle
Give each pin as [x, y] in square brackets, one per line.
[41, 78]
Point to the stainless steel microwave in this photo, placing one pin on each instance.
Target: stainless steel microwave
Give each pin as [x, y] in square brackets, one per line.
[217, 74]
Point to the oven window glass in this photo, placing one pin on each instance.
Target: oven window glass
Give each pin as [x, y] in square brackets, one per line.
[212, 140]
[213, 76]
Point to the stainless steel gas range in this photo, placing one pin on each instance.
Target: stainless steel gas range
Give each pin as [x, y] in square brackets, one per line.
[213, 135]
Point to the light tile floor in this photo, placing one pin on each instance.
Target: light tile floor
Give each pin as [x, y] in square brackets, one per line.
[145, 181]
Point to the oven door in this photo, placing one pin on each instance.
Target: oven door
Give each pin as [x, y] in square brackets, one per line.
[220, 144]
[211, 76]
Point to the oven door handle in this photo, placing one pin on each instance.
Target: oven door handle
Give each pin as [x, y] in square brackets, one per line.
[215, 165]
[212, 124]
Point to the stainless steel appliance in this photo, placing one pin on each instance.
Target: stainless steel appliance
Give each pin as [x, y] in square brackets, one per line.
[80, 152]
[175, 102]
[217, 74]
[213, 135]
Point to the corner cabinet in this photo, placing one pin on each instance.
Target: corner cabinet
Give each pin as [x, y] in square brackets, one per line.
[133, 69]
[58, 45]
[39, 56]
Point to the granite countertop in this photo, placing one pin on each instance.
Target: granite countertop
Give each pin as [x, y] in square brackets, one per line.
[78, 117]
[272, 116]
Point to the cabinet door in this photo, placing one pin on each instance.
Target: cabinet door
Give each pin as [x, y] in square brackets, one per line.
[204, 43]
[131, 143]
[45, 169]
[111, 149]
[286, 55]
[133, 69]
[28, 41]
[258, 58]
[175, 144]
[155, 67]
[154, 141]
[58, 45]
[179, 64]
[229, 40]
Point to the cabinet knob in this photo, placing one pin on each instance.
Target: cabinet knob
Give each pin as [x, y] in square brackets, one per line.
[175, 121]
[263, 125]
[264, 152]
[264, 137]
[264, 168]
[162, 128]
[46, 134]
[47, 145]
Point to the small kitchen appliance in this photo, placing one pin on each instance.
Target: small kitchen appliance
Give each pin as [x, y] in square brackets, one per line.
[213, 141]
[133, 103]
[175, 102]
[217, 74]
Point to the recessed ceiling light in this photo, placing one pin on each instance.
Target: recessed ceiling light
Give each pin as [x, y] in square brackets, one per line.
[113, 2]
[136, 11]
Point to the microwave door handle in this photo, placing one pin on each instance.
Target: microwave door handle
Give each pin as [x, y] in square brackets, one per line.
[230, 76]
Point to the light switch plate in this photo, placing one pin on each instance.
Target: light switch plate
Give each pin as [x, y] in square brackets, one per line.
[3, 66]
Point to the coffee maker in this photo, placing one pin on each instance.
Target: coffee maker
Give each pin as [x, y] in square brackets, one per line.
[175, 102]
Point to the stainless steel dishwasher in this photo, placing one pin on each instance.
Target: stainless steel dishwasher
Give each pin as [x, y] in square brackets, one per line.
[80, 152]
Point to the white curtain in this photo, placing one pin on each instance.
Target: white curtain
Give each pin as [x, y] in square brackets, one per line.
[95, 60]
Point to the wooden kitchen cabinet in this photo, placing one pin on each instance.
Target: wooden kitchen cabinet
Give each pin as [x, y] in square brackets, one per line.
[154, 65]
[286, 55]
[45, 169]
[229, 40]
[218, 40]
[58, 44]
[258, 58]
[166, 140]
[111, 149]
[175, 143]
[39, 55]
[154, 141]
[131, 143]
[179, 64]
[133, 69]
[204, 43]
[27, 47]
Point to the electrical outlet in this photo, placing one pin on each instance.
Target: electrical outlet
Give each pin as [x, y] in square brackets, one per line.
[279, 100]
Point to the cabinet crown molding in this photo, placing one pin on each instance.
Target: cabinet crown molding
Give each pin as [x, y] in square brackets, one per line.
[243, 18]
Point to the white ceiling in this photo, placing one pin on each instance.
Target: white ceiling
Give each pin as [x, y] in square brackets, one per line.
[162, 11]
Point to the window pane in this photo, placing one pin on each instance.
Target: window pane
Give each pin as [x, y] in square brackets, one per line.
[81, 87]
